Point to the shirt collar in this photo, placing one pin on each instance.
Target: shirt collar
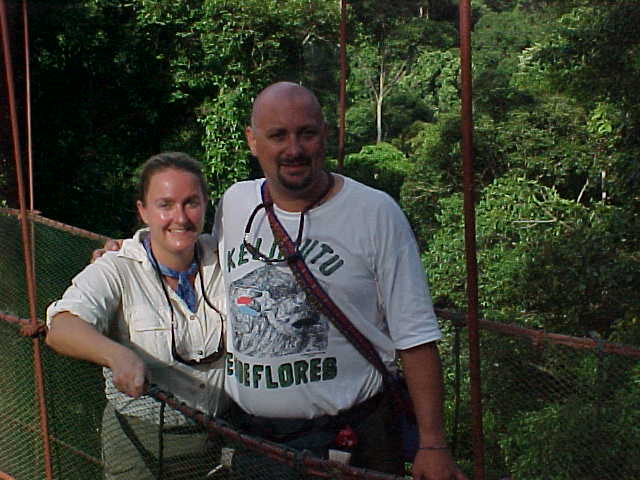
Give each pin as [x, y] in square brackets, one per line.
[133, 249]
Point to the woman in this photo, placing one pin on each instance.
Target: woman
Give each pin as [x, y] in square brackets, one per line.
[151, 312]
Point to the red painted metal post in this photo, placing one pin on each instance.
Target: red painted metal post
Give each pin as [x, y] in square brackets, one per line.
[26, 240]
[343, 81]
[27, 76]
[470, 238]
[27, 102]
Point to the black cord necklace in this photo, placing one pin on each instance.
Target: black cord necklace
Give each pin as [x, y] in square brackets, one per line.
[267, 204]
[174, 351]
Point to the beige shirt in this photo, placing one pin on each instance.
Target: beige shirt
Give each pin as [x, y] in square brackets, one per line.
[122, 297]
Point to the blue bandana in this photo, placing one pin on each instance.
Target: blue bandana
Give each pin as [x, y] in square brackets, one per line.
[185, 290]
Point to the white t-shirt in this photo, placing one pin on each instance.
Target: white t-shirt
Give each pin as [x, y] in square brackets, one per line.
[121, 296]
[284, 358]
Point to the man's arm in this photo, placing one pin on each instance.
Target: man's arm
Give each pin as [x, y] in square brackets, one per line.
[72, 336]
[423, 372]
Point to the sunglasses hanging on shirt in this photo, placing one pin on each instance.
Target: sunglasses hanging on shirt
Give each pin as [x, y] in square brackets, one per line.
[253, 250]
[174, 351]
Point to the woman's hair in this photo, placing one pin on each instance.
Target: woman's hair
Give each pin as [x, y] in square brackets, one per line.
[165, 161]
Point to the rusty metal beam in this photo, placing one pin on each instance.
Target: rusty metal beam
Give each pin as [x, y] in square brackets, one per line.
[343, 82]
[35, 217]
[470, 238]
[26, 239]
[540, 337]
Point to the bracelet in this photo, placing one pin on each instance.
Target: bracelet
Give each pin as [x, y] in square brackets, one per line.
[434, 447]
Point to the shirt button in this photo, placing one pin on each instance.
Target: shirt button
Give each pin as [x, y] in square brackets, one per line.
[202, 385]
[193, 317]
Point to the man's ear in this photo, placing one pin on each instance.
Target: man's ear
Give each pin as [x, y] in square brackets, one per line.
[141, 211]
[251, 140]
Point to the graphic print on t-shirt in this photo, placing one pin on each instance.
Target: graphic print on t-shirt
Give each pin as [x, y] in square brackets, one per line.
[272, 316]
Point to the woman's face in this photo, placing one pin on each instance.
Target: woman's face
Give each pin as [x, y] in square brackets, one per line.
[173, 208]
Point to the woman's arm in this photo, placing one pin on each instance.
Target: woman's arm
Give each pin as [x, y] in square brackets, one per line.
[72, 336]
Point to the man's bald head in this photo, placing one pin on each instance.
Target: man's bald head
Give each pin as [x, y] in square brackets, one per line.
[285, 91]
[287, 135]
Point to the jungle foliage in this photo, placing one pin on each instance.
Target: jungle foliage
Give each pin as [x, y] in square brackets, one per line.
[556, 139]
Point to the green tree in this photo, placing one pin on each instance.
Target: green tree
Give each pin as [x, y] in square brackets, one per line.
[549, 262]
[381, 166]
[386, 44]
[434, 77]
[435, 158]
[100, 107]
[592, 56]
[122, 80]
[221, 55]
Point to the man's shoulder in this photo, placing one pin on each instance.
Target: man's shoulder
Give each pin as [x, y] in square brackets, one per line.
[240, 196]
[373, 195]
[368, 204]
[242, 187]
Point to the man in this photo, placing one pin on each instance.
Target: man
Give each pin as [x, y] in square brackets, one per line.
[288, 368]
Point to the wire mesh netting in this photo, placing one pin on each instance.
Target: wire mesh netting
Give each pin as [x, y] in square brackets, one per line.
[73, 389]
[555, 407]
[88, 439]
[20, 446]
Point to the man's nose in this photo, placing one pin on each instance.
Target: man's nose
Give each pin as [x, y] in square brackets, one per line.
[294, 146]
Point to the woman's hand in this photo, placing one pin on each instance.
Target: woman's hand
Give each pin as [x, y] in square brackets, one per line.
[72, 336]
[130, 375]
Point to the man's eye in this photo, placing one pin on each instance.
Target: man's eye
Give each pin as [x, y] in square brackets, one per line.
[308, 134]
[277, 136]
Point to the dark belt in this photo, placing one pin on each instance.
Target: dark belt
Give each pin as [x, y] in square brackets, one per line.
[285, 429]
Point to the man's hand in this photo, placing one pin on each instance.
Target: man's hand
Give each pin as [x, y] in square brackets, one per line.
[435, 465]
[109, 246]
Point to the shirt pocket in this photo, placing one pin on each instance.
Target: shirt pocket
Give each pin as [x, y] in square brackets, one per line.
[150, 332]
